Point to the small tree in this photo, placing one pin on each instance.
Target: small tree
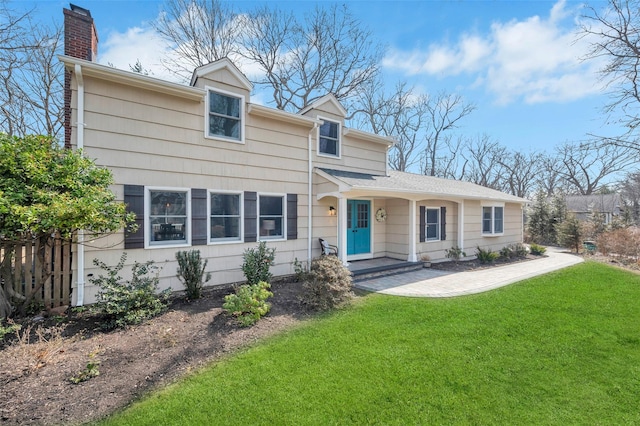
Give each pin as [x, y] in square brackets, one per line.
[49, 192]
[257, 263]
[191, 272]
[570, 233]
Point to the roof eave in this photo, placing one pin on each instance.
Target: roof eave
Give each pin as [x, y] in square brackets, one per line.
[276, 114]
[91, 69]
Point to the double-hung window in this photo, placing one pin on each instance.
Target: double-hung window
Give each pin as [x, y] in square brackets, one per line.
[224, 116]
[432, 224]
[492, 220]
[168, 217]
[225, 217]
[329, 141]
[271, 220]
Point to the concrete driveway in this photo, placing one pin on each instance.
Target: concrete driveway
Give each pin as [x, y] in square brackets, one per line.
[435, 283]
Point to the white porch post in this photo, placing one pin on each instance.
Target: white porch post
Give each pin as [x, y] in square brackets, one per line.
[412, 232]
[461, 225]
[342, 230]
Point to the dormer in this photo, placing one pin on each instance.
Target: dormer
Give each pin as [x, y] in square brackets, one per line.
[228, 92]
[332, 114]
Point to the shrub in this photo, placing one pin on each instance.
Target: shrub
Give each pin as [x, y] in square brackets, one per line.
[570, 233]
[191, 272]
[122, 303]
[249, 303]
[537, 249]
[486, 255]
[455, 253]
[300, 270]
[513, 251]
[256, 263]
[328, 284]
[624, 242]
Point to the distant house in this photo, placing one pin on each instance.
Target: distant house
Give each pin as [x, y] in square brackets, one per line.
[609, 205]
[205, 168]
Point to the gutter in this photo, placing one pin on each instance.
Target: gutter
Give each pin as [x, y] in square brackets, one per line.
[80, 146]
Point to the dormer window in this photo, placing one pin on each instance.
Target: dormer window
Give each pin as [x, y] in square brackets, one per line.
[224, 116]
[329, 141]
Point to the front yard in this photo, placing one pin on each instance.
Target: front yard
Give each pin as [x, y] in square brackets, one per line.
[563, 348]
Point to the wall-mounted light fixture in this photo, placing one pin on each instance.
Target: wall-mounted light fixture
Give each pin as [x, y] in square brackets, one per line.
[332, 211]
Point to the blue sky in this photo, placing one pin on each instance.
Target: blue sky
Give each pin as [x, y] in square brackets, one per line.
[517, 61]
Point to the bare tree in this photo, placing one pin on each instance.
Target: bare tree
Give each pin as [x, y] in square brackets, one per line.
[585, 169]
[614, 33]
[444, 112]
[630, 192]
[328, 51]
[519, 172]
[484, 161]
[199, 31]
[31, 77]
[399, 114]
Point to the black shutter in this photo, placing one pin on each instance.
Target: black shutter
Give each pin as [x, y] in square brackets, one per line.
[443, 223]
[423, 224]
[250, 217]
[198, 217]
[292, 216]
[134, 199]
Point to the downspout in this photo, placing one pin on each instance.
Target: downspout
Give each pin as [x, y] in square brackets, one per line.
[310, 195]
[80, 146]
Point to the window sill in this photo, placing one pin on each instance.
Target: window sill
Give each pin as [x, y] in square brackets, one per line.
[493, 235]
[164, 246]
[335, 157]
[223, 139]
[223, 242]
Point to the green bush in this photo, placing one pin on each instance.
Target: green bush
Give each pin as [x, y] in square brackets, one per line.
[328, 284]
[122, 303]
[486, 255]
[256, 263]
[249, 303]
[537, 249]
[191, 272]
[455, 253]
[513, 251]
[8, 328]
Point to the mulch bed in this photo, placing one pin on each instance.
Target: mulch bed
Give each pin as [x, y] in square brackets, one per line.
[34, 374]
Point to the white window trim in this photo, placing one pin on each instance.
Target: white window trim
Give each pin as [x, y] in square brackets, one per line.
[224, 240]
[322, 154]
[426, 239]
[284, 216]
[242, 115]
[147, 220]
[493, 219]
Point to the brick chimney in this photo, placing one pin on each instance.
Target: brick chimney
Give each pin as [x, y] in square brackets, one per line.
[80, 41]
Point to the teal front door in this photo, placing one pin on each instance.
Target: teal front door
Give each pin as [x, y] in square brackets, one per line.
[358, 227]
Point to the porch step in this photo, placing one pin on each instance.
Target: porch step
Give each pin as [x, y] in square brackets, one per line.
[385, 270]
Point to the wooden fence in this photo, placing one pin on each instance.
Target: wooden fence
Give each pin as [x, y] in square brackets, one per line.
[22, 271]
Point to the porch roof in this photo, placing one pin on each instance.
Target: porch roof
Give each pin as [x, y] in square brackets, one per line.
[411, 185]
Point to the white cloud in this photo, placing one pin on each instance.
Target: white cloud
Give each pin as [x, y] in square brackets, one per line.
[123, 50]
[535, 59]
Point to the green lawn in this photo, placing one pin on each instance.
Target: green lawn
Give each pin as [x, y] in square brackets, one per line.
[563, 348]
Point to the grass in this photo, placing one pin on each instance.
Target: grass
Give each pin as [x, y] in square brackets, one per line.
[563, 348]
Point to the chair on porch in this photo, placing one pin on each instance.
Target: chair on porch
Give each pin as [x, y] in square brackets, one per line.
[328, 249]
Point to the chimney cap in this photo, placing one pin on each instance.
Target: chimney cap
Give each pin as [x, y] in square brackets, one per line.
[80, 10]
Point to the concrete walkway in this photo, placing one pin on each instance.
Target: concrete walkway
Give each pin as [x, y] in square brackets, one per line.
[435, 283]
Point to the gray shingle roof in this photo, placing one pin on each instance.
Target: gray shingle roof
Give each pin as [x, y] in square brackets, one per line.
[609, 203]
[403, 182]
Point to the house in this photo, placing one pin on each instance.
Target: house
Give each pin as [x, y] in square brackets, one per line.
[583, 206]
[205, 168]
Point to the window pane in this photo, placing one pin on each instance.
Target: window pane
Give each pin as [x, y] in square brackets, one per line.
[224, 105]
[433, 224]
[271, 217]
[225, 216]
[270, 206]
[486, 219]
[329, 146]
[221, 126]
[225, 204]
[168, 217]
[329, 130]
[499, 219]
